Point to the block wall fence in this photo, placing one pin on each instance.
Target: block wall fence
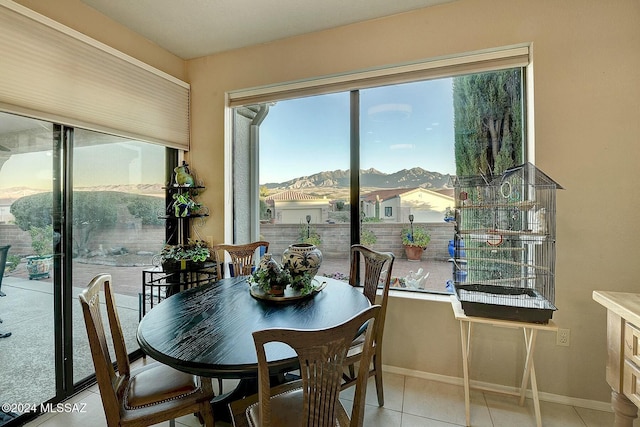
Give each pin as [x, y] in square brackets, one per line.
[137, 238]
[335, 238]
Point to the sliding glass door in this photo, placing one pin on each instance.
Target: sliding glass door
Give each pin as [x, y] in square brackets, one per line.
[29, 166]
[73, 204]
[116, 227]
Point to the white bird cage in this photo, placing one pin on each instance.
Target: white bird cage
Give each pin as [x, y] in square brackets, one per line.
[504, 258]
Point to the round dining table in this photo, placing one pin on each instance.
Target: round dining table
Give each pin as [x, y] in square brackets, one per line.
[207, 330]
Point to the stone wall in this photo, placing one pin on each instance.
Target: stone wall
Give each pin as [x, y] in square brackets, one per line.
[137, 238]
[19, 240]
[335, 238]
[131, 236]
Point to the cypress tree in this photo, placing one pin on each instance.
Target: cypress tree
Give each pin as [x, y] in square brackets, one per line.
[488, 122]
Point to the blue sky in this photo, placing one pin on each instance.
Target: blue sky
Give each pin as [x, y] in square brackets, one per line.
[120, 163]
[402, 126]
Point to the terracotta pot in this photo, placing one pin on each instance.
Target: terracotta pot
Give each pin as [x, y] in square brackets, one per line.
[276, 290]
[414, 253]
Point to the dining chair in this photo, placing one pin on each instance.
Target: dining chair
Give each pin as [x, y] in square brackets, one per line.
[377, 268]
[4, 251]
[241, 258]
[314, 399]
[149, 395]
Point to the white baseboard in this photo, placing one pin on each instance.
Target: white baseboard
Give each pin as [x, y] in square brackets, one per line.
[547, 397]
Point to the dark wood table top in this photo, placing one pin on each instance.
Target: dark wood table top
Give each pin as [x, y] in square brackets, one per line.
[207, 330]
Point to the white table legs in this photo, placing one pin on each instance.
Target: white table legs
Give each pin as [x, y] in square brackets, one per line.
[530, 335]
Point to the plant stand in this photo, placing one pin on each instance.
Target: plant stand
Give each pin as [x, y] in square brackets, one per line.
[158, 284]
[529, 372]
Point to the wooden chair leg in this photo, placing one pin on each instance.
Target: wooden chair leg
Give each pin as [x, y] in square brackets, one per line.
[377, 365]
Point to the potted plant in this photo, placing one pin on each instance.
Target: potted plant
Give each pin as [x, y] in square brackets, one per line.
[308, 234]
[39, 265]
[368, 237]
[415, 240]
[184, 257]
[184, 204]
[273, 278]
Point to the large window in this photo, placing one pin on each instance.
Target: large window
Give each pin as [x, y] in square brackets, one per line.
[406, 140]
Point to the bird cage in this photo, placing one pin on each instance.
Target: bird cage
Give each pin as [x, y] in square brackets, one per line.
[504, 257]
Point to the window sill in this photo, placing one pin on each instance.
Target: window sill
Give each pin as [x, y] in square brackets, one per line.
[420, 296]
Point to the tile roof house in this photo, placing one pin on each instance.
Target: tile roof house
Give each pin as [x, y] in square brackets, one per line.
[292, 207]
[395, 205]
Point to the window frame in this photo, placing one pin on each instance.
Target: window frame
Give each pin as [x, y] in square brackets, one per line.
[447, 66]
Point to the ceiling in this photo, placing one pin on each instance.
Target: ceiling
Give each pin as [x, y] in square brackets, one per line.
[194, 28]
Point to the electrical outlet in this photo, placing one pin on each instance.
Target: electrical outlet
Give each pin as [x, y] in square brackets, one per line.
[563, 337]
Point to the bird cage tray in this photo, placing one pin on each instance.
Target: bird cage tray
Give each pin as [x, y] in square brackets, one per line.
[504, 302]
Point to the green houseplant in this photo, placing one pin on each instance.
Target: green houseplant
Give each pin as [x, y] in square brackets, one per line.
[367, 237]
[39, 265]
[415, 240]
[273, 278]
[184, 204]
[308, 234]
[182, 257]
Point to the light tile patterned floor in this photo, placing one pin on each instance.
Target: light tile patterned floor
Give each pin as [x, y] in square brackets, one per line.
[409, 402]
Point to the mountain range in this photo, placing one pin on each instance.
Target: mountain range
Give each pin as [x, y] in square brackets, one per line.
[405, 178]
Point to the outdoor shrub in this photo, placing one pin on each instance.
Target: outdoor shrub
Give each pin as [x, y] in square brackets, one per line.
[147, 208]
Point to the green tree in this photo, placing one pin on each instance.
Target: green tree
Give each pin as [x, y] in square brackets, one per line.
[488, 122]
[92, 211]
[32, 211]
[148, 208]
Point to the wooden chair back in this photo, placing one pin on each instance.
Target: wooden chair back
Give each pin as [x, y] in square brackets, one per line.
[321, 354]
[377, 268]
[110, 381]
[376, 265]
[242, 257]
[149, 395]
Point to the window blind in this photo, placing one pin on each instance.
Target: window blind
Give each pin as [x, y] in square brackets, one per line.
[51, 72]
[476, 62]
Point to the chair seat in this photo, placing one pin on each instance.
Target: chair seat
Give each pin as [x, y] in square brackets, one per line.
[156, 383]
[285, 397]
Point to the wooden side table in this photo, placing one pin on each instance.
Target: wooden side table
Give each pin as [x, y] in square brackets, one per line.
[530, 333]
[623, 353]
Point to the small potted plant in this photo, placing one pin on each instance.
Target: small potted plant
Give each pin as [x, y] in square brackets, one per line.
[368, 237]
[184, 257]
[415, 240]
[273, 278]
[184, 204]
[39, 265]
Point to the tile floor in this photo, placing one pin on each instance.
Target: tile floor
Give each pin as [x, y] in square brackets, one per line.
[409, 402]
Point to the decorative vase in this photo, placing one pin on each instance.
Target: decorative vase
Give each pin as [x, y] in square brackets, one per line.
[264, 261]
[301, 258]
